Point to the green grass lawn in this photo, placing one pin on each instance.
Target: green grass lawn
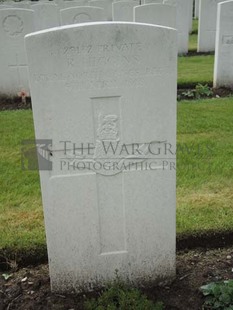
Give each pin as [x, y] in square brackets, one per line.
[204, 176]
[193, 42]
[195, 69]
[204, 179]
[195, 26]
[21, 218]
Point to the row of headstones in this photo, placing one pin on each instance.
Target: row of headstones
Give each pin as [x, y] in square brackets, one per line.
[122, 11]
[47, 16]
[215, 34]
[206, 12]
[16, 23]
[207, 25]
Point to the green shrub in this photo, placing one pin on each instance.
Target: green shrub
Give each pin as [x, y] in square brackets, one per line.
[200, 91]
[120, 297]
[218, 295]
[203, 91]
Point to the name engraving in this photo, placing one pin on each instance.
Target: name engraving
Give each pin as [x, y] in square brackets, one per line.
[227, 39]
[104, 66]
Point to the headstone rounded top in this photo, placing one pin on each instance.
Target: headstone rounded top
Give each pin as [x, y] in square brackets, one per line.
[103, 24]
[15, 9]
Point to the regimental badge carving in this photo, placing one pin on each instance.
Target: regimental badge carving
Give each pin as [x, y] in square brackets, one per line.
[81, 18]
[108, 128]
[109, 156]
[13, 25]
[107, 133]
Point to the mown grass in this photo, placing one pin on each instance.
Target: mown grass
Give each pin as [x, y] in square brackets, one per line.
[204, 178]
[204, 173]
[195, 69]
[21, 218]
[195, 26]
[193, 42]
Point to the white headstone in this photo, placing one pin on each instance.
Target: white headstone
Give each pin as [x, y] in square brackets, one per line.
[82, 14]
[21, 5]
[73, 3]
[123, 10]
[3, 6]
[223, 68]
[104, 4]
[59, 3]
[32, 3]
[207, 25]
[182, 20]
[196, 13]
[158, 14]
[152, 1]
[15, 24]
[126, 0]
[190, 16]
[46, 15]
[104, 86]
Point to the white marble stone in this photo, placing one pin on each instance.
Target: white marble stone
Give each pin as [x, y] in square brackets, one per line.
[152, 1]
[207, 25]
[100, 85]
[223, 67]
[3, 6]
[123, 10]
[104, 4]
[73, 3]
[21, 5]
[158, 14]
[46, 15]
[82, 14]
[196, 12]
[182, 20]
[190, 16]
[59, 3]
[15, 24]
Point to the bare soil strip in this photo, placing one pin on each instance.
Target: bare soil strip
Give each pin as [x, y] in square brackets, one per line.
[29, 288]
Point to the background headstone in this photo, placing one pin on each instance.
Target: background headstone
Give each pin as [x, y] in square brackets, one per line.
[183, 22]
[123, 10]
[93, 84]
[82, 14]
[46, 15]
[207, 25]
[190, 15]
[74, 3]
[159, 14]
[152, 1]
[59, 3]
[196, 13]
[4, 6]
[15, 24]
[223, 69]
[21, 5]
[104, 4]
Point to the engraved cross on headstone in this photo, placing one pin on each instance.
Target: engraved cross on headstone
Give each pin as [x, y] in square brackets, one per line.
[111, 161]
[17, 68]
